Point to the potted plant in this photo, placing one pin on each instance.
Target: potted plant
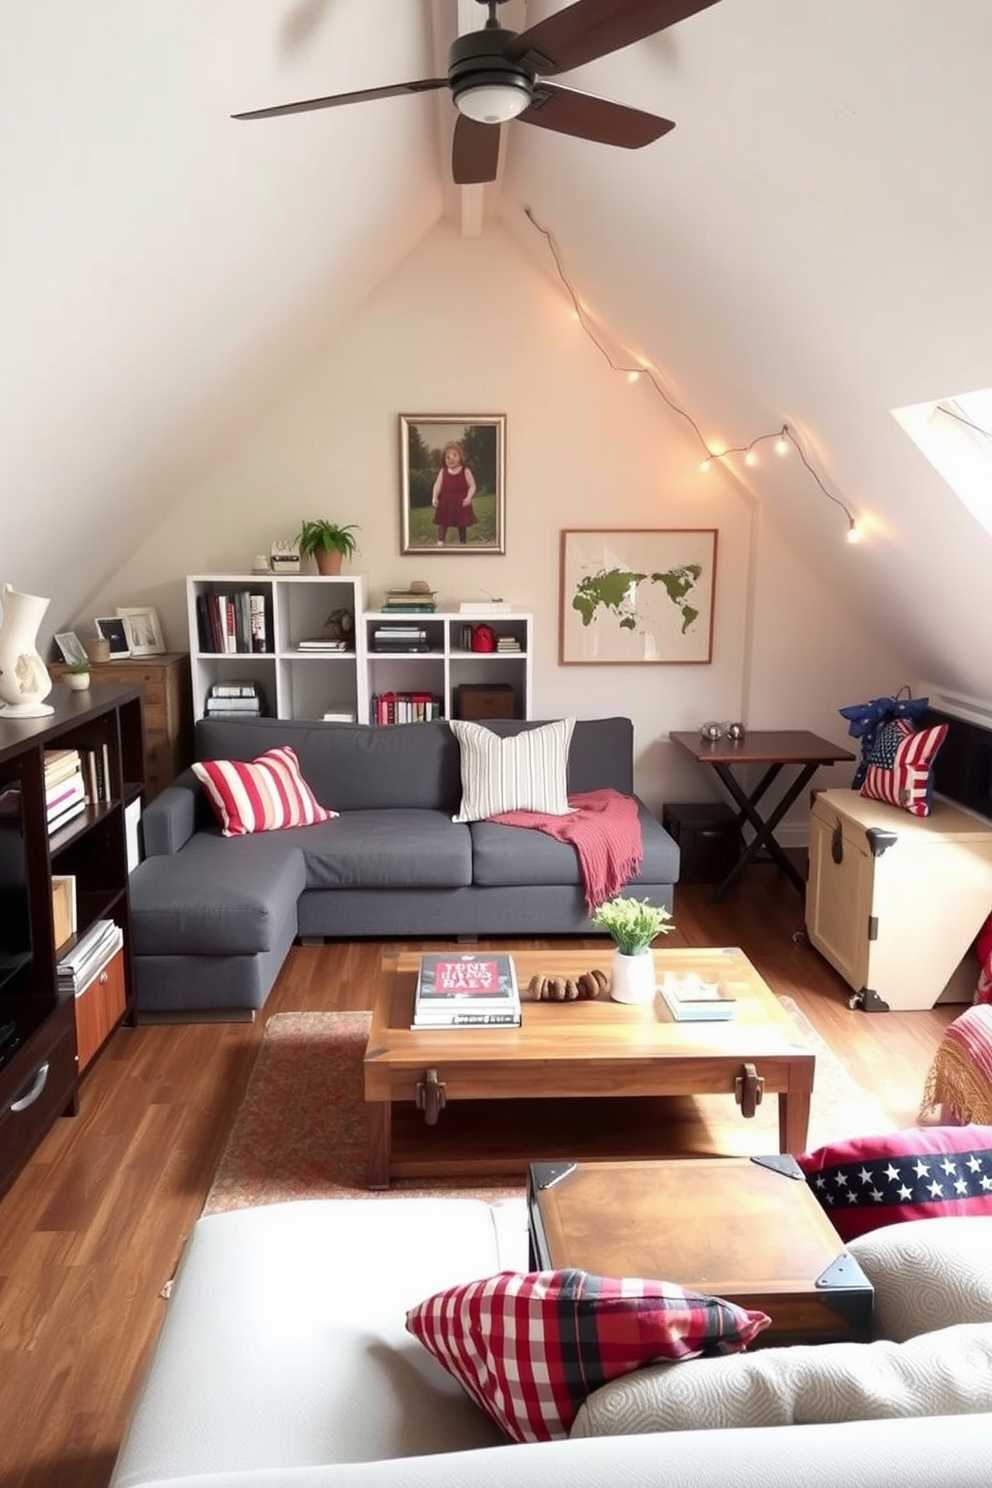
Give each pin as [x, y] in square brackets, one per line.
[327, 543]
[632, 925]
[77, 675]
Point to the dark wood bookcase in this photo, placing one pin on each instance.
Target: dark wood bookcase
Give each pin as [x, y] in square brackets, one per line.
[39, 1072]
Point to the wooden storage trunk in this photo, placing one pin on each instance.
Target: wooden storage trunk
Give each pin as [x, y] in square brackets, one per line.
[749, 1230]
[894, 901]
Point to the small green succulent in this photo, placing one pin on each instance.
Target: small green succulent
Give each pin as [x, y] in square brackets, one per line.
[632, 923]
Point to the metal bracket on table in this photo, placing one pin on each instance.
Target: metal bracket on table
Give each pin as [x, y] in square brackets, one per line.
[432, 1095]
[749, 1087]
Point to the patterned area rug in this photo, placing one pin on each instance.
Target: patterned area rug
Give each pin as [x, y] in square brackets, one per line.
[300, 1130]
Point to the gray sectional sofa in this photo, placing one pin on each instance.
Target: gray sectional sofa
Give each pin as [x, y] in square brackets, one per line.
[213, 917]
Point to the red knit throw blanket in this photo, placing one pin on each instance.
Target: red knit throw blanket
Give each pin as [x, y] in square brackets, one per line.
[605, 831]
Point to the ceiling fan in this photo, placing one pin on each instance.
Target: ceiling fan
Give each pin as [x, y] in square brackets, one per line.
[496, 75]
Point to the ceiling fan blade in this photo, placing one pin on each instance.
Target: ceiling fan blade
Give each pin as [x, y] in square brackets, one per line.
[594, 28]
[591, 118]
[474, 152]
[422, 85]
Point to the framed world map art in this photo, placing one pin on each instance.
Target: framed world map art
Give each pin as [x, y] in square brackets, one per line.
[637, 596]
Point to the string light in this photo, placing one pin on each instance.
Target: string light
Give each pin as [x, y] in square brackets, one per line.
[784, 437]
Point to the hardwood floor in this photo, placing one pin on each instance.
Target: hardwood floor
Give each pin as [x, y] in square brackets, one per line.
[93, 1227]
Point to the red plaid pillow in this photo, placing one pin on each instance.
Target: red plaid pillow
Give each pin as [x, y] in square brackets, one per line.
[921, 1173]
[899, 765]
[262, 795]
[530, 1348]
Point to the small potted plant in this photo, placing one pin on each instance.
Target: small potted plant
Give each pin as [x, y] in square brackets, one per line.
[327, 543]
[632, 925]
[77, 675]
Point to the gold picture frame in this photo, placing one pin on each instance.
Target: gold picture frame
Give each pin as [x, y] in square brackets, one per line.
[475, 502]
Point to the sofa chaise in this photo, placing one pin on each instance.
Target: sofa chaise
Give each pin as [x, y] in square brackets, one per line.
[213, 917]
[284, 1362]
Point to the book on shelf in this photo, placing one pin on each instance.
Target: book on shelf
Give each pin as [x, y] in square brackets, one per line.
[690, 999]
[408, 607]
[88, 956]
[63, 906]
[72, 788]
[483, 606]
[342, 715]
[463, 990]
[234, 623]
[233, 708]
[234, 689]
[59, 765]
[64, 815]
[404, 707]
[317, 643]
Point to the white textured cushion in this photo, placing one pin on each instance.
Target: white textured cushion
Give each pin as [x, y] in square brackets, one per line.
[948, 1372]
[528, 772]
[927, 1275]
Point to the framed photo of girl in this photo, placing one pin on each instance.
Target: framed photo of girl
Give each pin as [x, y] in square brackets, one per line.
[452, 483]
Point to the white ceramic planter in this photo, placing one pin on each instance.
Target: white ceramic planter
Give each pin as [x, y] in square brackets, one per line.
[77, 681]
[632, 977]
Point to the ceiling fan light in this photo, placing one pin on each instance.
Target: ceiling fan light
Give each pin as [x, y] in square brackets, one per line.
[492, 103]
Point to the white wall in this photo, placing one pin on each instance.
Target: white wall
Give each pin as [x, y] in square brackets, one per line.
[472, 327]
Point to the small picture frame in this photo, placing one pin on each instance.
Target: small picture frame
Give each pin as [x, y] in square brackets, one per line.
[142, 628]
[452, 497]
[111, 627]
[70, 646]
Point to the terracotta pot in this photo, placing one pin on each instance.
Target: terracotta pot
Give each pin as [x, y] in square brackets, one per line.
[328, 560]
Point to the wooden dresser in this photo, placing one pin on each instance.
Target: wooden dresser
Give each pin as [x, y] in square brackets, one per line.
[166, 709]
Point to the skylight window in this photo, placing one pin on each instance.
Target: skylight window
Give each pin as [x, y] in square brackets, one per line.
[955, 434]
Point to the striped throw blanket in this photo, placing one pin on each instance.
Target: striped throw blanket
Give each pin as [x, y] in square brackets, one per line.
[605, 831]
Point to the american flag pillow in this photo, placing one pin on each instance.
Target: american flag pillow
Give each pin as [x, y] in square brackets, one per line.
[260, 795]
[925, 1172]
[899, 765]
[529, 1348]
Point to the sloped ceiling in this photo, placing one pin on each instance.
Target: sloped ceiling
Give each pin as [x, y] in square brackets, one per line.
[809, 246]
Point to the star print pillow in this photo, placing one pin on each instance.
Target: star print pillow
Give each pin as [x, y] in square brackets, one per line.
[925, 1172]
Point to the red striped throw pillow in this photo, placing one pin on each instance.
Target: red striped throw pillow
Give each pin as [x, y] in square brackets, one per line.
[530, 1348]
[899, 763]
[260, 795]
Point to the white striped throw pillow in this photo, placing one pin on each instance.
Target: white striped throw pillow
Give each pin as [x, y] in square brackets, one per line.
[528, 772]
[260, 795]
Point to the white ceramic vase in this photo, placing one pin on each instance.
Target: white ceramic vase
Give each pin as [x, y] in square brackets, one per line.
[77, 681]
[632, 977]
[24, 679]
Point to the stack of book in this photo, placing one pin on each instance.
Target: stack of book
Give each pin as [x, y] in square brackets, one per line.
[400, 638]
[319, 643]
[235, 700]
[474, 990]
[65, 786]
[88, 956]
[507, 643]
[412, 600]
[691, 1000]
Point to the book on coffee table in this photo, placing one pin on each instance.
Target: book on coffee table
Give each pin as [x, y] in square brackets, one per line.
[689, 999]
[464, 990]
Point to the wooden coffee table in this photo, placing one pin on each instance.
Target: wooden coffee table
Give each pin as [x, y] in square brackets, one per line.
[750, 1230]
[596, 1049]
